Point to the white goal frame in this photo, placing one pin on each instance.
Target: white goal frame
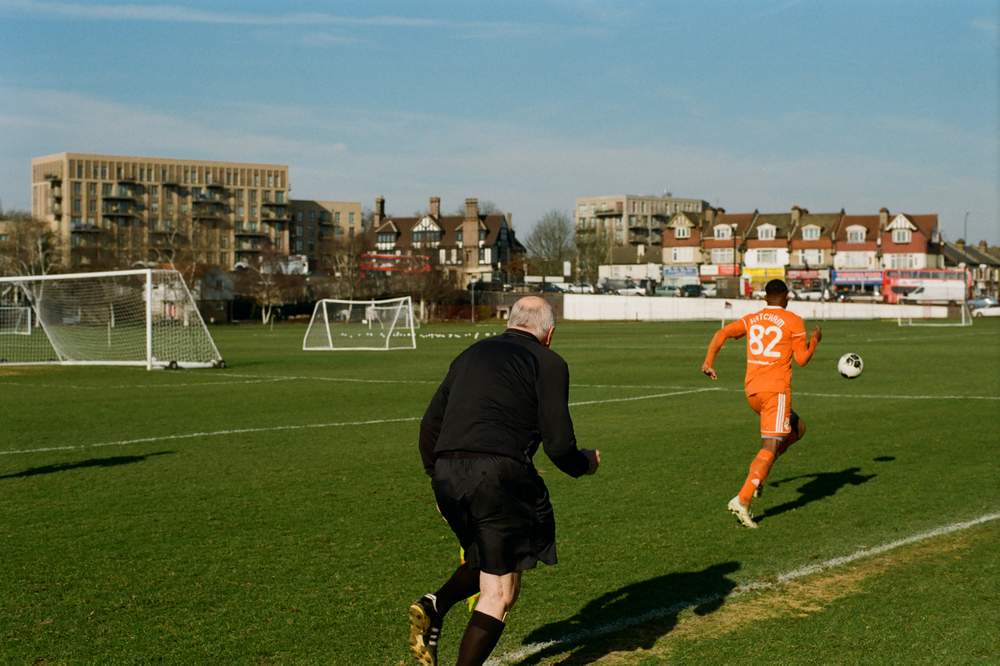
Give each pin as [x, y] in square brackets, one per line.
[25, 310]
[928, 320]
[321, 318]
[28, 294]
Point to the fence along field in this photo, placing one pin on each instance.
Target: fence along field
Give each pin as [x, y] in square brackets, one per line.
[276, 511]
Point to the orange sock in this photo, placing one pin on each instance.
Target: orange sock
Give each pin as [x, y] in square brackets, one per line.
[759, 469]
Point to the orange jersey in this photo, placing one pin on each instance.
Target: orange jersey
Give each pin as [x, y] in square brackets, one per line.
[774, 336]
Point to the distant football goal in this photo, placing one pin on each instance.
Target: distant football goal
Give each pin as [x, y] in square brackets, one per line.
[373, 325]
[956, 314]
[137, 317]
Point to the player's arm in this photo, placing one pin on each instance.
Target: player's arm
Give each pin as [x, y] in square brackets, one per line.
[803, 351]
[555, 424]
[735, 329]
[430, 425]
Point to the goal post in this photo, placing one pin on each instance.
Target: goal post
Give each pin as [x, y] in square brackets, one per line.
[143, 317]
[361, 325]
[952, 314]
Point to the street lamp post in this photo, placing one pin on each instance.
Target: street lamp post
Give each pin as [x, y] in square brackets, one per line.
[965, 228]
[736, 265]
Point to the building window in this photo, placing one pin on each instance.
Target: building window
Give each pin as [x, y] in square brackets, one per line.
[458, 237]
[350, 219]
[722, 255]
[810, 257]
[336, 217]
[901, 236]
[767, 256]
[723, 232]
[385, 240]
[682, 254]
[810, 233]
[682, 232]
[485, 255]
[855, 234]
[765, 232]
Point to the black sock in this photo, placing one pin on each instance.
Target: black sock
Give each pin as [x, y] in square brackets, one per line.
[462, 585]
[480, 638]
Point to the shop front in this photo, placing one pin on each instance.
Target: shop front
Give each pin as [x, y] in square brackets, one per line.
[808, 280]
[849, 284]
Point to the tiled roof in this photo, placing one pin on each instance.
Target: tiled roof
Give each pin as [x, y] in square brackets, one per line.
[869, 222]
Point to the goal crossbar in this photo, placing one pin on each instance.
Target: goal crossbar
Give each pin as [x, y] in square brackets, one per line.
[361, 325]
[139, 317]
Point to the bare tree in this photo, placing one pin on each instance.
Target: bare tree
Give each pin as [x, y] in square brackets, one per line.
[31, 246]
[550, 243]
[266, 283]
[593, 248]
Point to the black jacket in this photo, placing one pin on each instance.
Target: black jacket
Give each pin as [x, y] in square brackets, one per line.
[503, 396]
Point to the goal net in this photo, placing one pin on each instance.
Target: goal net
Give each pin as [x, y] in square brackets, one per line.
[138, 317]
[953, 314]
[361, 325]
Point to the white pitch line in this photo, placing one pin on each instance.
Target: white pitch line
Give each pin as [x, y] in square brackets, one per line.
[213, 433]
[306, 426]
[753, 586]
[640, 397]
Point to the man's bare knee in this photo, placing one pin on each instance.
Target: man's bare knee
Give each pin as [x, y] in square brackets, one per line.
[801, 428]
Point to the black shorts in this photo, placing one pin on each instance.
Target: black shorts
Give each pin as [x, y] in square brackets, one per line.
[499, 509]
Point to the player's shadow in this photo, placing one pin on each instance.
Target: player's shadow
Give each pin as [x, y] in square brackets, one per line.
[819, 486]
[634, 616]
[113, 461]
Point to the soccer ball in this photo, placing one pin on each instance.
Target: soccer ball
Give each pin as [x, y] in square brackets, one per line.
[850, 365]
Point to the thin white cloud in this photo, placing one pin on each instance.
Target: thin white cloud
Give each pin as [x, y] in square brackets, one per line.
[320, 39]
[987, 26]
[356, 154]
[169, 13]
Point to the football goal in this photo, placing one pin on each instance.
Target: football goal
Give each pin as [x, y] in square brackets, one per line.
[952, 314]
[374, 325]
[137, 317]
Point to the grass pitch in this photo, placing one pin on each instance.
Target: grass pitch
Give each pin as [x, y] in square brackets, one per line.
[277, 512]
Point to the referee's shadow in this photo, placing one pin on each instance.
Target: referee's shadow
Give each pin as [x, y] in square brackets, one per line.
[635, 616]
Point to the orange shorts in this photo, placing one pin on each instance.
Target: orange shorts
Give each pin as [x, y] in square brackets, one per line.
[775, 411]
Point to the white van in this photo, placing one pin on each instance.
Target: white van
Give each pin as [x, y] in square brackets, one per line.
[946, 292]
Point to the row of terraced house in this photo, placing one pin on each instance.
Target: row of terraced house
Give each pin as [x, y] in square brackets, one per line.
[696, 242]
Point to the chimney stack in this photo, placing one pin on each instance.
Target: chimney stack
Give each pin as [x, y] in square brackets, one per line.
[796, 215]
[472, 209]
[379, 214]
[960, 244]
[435, 209]
[883, 218]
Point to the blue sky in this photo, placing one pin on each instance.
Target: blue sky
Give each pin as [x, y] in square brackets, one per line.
[765, 104]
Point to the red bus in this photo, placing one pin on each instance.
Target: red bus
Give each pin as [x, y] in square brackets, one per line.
[951, 284]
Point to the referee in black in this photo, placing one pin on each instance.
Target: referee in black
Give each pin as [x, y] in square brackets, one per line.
[501, 398]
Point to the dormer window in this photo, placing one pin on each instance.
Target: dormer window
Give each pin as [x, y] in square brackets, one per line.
[458, 237]
[810, 233]
[765, 232]
[385, 240]
[723, 232]
[426, 234]
[855, 234]
[682, 232]
[901, 235]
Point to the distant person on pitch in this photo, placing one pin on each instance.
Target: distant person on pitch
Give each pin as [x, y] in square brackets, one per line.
[774, 337]
[502, 397]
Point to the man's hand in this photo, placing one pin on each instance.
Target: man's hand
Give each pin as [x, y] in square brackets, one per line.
[708, 371]
[817, 335]
[593, 459]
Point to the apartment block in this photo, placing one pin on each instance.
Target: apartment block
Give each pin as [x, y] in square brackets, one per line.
[123, 211]
[633, 223]
[315, 223]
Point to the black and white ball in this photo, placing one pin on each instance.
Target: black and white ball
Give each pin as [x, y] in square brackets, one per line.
[850, 365]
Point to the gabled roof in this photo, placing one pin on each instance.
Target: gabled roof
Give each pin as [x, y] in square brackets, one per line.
[695, 219]
[869, 222]
[450, 225]
[741, 220]
[927, 224]
[782, 223]
[827, 222]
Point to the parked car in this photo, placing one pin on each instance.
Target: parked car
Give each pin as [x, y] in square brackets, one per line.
[982, 302]
[992, 311]
[549, 288]
[580, 288]
[668, 290]
[709, 290]
[811, 295]
[690, 290]
[633, 290]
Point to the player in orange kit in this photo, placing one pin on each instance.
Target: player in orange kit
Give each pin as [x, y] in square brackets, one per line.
[774, 337]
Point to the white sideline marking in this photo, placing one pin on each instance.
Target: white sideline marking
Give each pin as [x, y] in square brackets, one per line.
[753, 586]
[213, 433]
[640, 397]
[305, 426]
